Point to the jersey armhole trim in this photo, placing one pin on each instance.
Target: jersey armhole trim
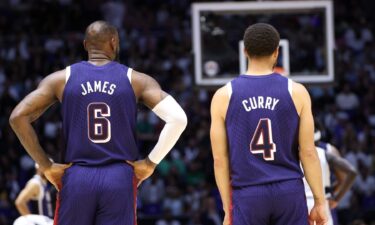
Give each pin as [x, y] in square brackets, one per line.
[229, 92]
[67, 74]
[329, 148]
[129, 74]
[290, 90]
[290, 87]
[229, 89]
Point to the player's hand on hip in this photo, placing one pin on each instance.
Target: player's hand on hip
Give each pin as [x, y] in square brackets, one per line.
[142, 169]
[318, 214]
[55, 172]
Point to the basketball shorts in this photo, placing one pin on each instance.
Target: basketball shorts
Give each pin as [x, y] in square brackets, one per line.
[100, 195]
[278, 203]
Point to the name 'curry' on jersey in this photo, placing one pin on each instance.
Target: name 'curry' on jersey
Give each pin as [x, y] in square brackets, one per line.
[99, 114]
[262, 128]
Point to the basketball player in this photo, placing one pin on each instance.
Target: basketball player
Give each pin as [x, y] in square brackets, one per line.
[36, 189]
[262, 126]
[330, 159]
[99, 106]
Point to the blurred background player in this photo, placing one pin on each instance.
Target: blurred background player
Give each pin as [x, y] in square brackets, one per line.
[262, 126]
[36, 189]
[99, 106]
[330, 160]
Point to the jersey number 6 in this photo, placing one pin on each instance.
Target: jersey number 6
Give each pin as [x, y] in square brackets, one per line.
[262, 142]
[98, 126]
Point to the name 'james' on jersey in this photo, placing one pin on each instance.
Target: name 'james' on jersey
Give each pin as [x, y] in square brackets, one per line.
[262, 129]
[99, 114]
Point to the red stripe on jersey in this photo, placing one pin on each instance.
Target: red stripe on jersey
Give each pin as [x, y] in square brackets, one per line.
[57, 210]
[231, 207]
[135, 183]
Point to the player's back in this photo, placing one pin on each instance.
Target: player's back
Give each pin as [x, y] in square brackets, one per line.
[99, 114]
[262, 129]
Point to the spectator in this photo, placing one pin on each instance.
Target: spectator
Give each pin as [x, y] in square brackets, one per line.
[347, 100]
[152, 194]
[167, 220]
[173, 202]
[365, 183]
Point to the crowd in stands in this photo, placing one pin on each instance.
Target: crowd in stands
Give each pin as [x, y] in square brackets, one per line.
[39, 37]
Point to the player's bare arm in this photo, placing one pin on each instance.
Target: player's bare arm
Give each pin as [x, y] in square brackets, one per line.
[308, 155]
[148, 92]
[30, 109]
[341, 166]
[219, 106]
[30, 191]
[339, 175]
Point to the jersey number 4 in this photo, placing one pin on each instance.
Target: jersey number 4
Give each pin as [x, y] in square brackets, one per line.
[98, 126]
[261, 142]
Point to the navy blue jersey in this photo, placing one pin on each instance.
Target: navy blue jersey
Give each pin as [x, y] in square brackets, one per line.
[99, 114]
[323, 145]
[45, 207]
[42, 203]
[262, 128]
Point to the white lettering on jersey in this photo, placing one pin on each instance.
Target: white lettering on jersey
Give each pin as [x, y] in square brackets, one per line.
[111, 89]
[268, 103]
[104, 90]
[275, 101]
[89, 88]
[98, 86]
[259, 103]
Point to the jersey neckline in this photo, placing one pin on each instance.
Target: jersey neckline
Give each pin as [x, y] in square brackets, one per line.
[259, 76]
[95, 66]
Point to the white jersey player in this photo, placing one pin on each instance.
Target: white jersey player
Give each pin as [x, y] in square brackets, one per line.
[35, 190]
[345, 173]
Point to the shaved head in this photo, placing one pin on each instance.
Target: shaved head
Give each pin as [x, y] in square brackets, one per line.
[102, 36]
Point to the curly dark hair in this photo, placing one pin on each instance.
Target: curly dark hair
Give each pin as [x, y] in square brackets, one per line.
[261, 39]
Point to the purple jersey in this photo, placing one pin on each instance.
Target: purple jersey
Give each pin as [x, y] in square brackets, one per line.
[99, 114]
[323, 145]
[262, 129]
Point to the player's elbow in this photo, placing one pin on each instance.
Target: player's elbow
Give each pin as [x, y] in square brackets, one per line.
[19, 203]
[352, 173]
[220, 162]
[15, 118]
[180, 120]
[308, 154]
[183, 121]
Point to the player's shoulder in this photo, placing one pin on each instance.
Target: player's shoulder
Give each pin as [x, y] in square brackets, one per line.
[299, 92]
[300, 96]
[36, 178]
[223, 93]
[220, 100]
[54, 78]
[143, 80]
[298, 88]
[34, 183]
